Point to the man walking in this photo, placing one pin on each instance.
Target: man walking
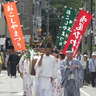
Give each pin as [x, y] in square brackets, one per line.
[46, 75]
[72, 78]
[24, 68]
[13, 60]
[92, 68]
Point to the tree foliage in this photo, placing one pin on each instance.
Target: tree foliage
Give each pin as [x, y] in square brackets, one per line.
[70, 3]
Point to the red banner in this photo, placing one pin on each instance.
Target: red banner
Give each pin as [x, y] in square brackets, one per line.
[77, 31]
[14, 26]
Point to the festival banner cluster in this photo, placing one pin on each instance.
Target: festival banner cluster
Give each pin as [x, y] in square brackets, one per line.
[65, 26]
[77, 31]
[14, 26]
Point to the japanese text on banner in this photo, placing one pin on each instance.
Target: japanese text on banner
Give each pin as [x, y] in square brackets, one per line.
[80, 25]
[14, 26]
[65, 26]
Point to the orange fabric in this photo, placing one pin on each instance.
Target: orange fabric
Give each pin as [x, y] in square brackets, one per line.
[14, 26]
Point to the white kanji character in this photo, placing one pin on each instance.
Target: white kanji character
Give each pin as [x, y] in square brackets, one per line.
[12, 21]
[76, 34]
[17, 39]
[69, 29]
[65, 42]
[66, 23]
[10, 8]
[11, 15]
[63, 33]
[61, 38]
[60, 43]
[67, 35]
[67, 18]
[64, 27]
[80, 27]
[70, 21]
[73, 42]
[83, 19]
[14, 26]
[15, 33]
[68, 12]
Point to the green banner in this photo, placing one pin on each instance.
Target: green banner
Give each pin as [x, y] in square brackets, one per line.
[65, 25]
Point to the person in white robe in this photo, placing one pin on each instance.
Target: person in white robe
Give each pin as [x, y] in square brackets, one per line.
[24, 68]
[37, 70]
[45, 74]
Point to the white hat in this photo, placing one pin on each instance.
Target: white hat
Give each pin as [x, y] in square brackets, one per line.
[69, 51]
[94, 53]
[85, 55]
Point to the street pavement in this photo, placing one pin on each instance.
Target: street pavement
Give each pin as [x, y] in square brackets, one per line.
[10, 86]
[13, 86]
[88, 91]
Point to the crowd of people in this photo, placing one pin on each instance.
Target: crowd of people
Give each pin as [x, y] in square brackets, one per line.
[48, 72]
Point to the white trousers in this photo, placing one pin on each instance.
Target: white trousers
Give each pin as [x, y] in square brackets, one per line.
[43, 87]
[27, 84]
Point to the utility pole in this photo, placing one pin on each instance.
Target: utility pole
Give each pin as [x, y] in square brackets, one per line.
[91, 32]
[36, 18]
[47, 9]
[3, 25]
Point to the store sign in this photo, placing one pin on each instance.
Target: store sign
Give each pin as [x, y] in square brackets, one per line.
[14, 26]
[80, 25]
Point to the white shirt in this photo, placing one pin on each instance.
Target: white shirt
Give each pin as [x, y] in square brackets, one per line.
[48, 65]
[24, 65]
[37, 68]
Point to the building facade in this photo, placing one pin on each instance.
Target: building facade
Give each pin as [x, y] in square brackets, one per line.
[25, 10]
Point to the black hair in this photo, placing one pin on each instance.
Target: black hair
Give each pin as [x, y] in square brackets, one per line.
[62, 56]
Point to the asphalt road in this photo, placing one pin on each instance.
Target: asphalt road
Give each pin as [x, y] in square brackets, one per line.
[13, 86]
[10, 86]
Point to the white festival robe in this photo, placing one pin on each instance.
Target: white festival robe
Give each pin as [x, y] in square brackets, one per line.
[44, 74]
[57, 88]
[27, 78]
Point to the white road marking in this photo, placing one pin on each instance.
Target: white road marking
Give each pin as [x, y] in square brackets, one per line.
[85, 93]
[20, 93]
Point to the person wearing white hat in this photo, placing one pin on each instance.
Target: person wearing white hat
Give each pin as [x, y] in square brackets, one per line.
[94, 54]
[72, 78]
[86, 69]
[92, 68]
